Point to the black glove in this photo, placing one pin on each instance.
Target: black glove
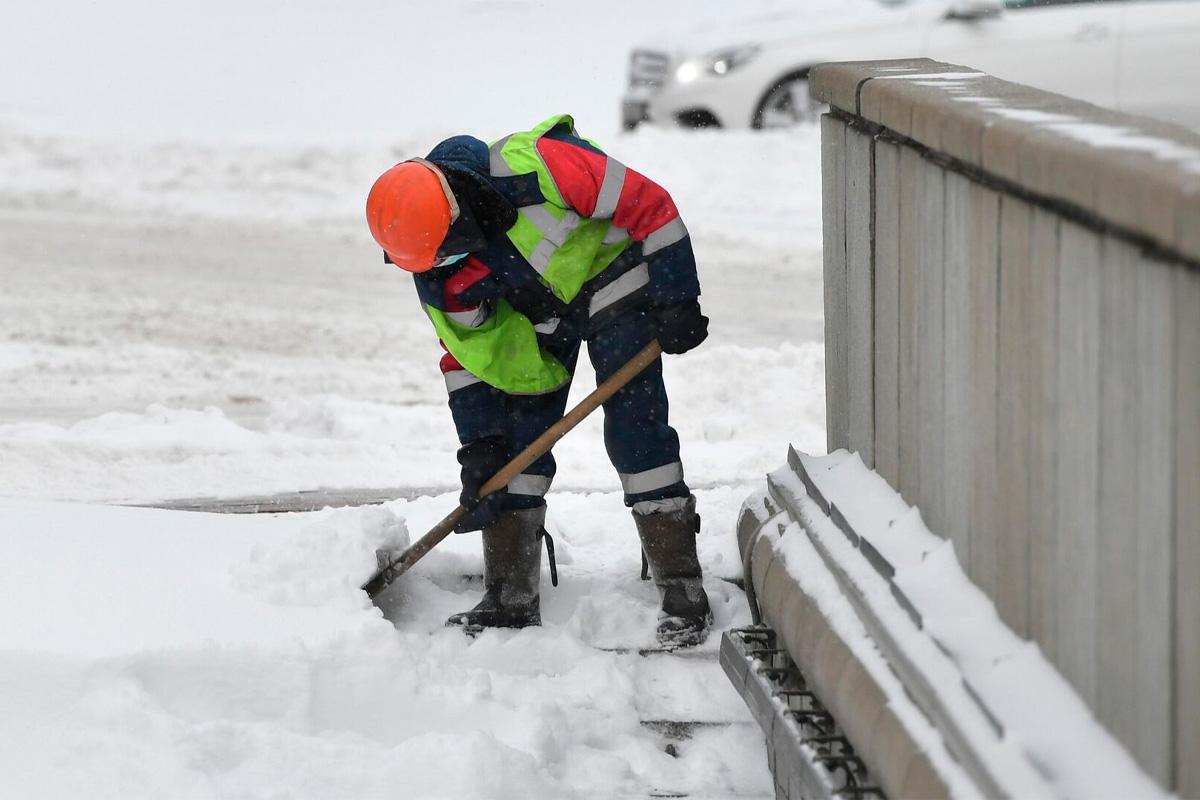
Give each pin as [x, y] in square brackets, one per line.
[680, 327]
[481, 459]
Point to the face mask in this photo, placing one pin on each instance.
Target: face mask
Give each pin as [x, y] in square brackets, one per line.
[442, 262]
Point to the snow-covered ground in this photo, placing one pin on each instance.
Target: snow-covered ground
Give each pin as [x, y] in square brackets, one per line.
[191, 307]
[279, 353]
[160, 654]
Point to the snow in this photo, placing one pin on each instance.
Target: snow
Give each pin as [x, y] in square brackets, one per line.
[805, 565]
[1175, 153]
[326, 72]
[202, 655]
[1051, 742]
[193, 307]
[220, 378]
[930, 78]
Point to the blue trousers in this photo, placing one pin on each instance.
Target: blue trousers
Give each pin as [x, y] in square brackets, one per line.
[641, 444]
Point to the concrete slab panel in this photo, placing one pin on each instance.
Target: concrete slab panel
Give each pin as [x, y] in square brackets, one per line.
[803, 642]
[891, 96]
[791, 620]
[911, 189]
[983, 280]
[1138, 192]
[1013, 405]
[888, 200]
[860, 296]
[1002, 142]
[1116, 643]
[957, 320]
[921, 780]
[962, 136]
[1186, 631]
[833, 182]
[832, 657]
[857, 704]
[760, 561]
[776, 589]
[1187, 224]
[890, 753]
[1077, 472]
[895, 106]
[1043, 422]
[837, 84]
[1155, 423]
[931, 374]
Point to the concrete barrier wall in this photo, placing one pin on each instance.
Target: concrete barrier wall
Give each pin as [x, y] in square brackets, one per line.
[1012, 287]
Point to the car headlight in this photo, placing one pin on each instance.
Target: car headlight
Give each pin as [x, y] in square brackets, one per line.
[688, 71]
[718, 62]
[722, 62]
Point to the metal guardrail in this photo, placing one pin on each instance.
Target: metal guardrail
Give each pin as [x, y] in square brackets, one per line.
[807, 752]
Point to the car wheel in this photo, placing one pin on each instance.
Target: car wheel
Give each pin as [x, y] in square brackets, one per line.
[787, 104]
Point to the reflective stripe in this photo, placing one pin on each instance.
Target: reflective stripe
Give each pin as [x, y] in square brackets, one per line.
[551, 227]
[554, 232]
[530, 485]
[499, 167]
[668, 234]
[610, 190]
[549, 326]
[619, 289]
[665, 506]
[459, 379]
[471, 318]
[542, 219]
[566, 226]
[651, 479]
[539, 259]
[615, 235]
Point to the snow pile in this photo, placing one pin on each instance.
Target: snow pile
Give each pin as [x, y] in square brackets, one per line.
[191, 655]
[812, 574]
[326, 561]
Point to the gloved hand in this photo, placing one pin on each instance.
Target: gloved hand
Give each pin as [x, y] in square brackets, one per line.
[680, 327]
[481, 459]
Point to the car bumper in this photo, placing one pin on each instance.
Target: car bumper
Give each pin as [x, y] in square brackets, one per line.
[730, 100]
[635, 109]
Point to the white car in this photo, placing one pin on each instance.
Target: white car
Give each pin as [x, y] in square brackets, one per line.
[1140, 56]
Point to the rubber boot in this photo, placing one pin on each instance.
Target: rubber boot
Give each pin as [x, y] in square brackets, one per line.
[512, 570]
[669, 542]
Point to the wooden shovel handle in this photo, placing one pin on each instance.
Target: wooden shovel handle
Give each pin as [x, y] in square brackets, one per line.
[539, 447]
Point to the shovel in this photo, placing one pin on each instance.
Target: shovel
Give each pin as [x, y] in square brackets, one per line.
[402, 563]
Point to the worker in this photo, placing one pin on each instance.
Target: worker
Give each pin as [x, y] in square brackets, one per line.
[521, 251]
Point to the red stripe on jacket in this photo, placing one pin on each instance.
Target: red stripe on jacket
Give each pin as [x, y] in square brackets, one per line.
[643, 207]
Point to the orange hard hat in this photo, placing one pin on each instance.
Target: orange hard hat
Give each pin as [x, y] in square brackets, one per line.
[409, 210]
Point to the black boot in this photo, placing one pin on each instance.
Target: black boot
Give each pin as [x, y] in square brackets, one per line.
[512, 569]
[669, 542]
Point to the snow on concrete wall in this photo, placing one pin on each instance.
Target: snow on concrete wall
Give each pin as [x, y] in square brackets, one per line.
[935, 693]
[1013, 341]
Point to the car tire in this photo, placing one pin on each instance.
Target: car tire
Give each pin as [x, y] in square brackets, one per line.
[787, 104]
